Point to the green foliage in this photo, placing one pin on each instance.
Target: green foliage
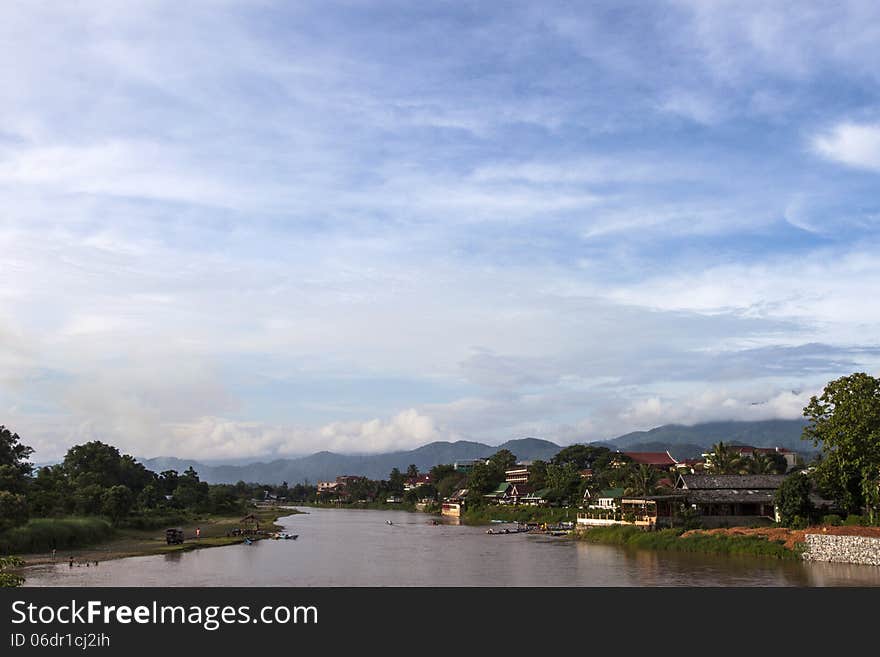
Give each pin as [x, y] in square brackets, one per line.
[538, 475]
[832, 519]
[643, 480]
[583, 456]
[13, 510]
[792, 499]
[563, 481]
[44, 534]
[845, 422]
[14, 466]
[484, 514]
[726, 461]
[116, 502]
[502, 460]
[396, 481]
[8, 579]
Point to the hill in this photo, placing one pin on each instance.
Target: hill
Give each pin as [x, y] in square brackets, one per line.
[327, 465]
[766, 433]
[681, 441]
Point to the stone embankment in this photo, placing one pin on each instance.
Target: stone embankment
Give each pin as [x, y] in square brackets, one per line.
[842, 549]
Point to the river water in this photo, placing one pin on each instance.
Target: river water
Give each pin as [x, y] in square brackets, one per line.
[339, 547]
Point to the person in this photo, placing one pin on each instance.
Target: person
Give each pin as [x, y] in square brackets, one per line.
[53, 554]
[198, 532]
[71, 562]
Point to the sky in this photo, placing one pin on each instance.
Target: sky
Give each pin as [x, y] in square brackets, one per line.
[261, 229]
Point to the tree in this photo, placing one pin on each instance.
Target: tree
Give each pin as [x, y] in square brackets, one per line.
[538, 475]
[116, 502]
[792, 499]
[563, 480]
[13, 510]
[761, 463]
[502, 460]
[845, 421]
[94, 463]
[412, 471]
[583, 456]
[725, 461]
[643, 480]
[15, 469]
[396, 481]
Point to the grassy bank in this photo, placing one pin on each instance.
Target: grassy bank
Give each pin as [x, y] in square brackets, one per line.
[673, 541]
[485, 514]
[110, 543]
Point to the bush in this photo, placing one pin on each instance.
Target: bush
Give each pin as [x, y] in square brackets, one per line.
[832, 519]
[45, 534]
[672, 540]
[854, 520]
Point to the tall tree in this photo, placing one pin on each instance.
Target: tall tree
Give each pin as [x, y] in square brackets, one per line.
[845, 421]
[643, 480]
[726, 461]
[15, 469]
[412, 471]
[502, 460]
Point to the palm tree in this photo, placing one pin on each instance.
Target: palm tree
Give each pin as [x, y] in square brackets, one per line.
[760, 463]
[642, 481]
[725, 461]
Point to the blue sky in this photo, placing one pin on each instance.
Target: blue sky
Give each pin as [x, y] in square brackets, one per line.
[246, 229]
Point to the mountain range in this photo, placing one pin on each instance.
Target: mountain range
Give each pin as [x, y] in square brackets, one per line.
[681, 441]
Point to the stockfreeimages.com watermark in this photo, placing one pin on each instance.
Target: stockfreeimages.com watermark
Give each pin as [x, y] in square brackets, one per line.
[209, 617]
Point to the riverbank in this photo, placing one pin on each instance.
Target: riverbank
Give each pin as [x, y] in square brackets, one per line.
[215, 531]
[727, 542]
[776, 542]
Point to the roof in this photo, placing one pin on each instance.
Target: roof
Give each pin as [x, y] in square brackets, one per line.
[761, 496]
[729, 482]
[611, 492]
[501, 489]
[520, 489]
[537, 495]
[651, 458]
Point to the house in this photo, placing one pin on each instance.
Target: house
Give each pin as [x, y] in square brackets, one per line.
[536, 498]
[662, 461]
[454, 504]
[607, 499]
[728, 499]
[466, 465]
[420, 480]
[499, 495]
[517, 475]
[613, 507]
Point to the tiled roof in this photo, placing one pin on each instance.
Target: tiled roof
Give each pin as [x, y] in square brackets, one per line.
[729, 482]
[651, 458]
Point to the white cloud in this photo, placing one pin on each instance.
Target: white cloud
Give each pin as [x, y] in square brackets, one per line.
[853, 144]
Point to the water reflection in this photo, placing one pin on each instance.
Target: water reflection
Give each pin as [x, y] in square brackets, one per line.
[359, 548]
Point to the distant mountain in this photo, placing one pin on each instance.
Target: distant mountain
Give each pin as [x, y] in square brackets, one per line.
[766, 433]
[681, 441]
[327, 465]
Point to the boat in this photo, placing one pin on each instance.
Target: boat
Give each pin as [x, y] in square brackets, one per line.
[248, 541]
[388, 522]
[285, 536]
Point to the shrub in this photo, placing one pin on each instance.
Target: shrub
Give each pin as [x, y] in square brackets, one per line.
[854, 520]
[44, 534]
[832, 519]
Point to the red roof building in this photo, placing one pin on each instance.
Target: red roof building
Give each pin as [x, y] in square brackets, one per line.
[662, 460]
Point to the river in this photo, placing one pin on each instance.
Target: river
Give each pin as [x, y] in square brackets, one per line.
[340, 547]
